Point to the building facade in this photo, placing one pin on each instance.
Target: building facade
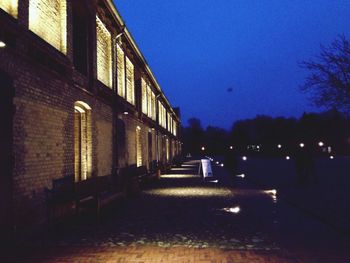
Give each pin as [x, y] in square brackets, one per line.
[77, 99]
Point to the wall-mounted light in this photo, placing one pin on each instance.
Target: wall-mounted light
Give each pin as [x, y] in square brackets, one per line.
[2, 44]
[125, 113]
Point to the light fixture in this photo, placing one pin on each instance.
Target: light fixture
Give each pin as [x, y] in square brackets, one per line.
[244, 158]
[302, 145]
[231, 147]
[331, 157]
[320, 144]
[125, 113]
[2, 44]
[203, 148]
[287, 158]
[279, 146]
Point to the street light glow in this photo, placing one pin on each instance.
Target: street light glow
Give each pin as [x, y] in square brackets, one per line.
[279, 146]
[231, 147]
[302, 145]
[287, 158]
[203, 148]
[2, 44]
[244, 158]
[320, 144]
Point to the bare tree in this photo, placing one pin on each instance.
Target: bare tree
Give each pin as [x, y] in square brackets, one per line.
[329, 79]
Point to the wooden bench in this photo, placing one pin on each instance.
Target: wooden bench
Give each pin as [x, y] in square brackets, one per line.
[60, 198]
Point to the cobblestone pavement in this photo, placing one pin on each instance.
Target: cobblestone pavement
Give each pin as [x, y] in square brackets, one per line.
[183, 219]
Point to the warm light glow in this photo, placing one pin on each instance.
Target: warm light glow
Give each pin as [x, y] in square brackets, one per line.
[178, 176]
[48, 19]
[302, 145]
[271, 192]
[2, 44]
[244, 158]
[234, 210]
[104, 53]
[200, 192]
[320, 144]
[10, 6]
[203, 148]
[138, 147]
[130, 81]
[125, 113]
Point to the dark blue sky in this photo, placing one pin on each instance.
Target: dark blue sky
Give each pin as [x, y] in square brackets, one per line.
[198, 49]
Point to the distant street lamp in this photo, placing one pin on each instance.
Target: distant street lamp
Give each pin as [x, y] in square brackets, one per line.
[320, 144]
[203, 148]
[279, 146]
[244, 158]
[287, 158]
[231, 147]
[302, 145]
[331, 157]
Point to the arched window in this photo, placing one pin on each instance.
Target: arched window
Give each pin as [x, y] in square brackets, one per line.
[138, 147]
[82, 141]
[48, 19]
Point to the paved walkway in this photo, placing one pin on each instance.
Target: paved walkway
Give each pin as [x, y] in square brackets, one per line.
[183, 219]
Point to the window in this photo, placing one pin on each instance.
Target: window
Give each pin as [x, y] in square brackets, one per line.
[10, 6]
[153, 115]
[120, 72]
[48, 19]
[174, 128]
[169, 122]
[104, 53]
[82, 141]
[138, 147]
[167, 149]
[162, 115]
[149, 100]
[130, 82]
[144, 96]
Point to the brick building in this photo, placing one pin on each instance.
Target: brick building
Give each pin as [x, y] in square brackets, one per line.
[77, 99]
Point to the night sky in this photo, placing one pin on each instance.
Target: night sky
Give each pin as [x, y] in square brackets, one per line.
[225, 60]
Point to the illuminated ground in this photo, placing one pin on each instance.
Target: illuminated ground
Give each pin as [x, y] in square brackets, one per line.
[183, 219]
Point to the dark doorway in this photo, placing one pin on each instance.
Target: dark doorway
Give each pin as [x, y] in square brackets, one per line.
[6, 115]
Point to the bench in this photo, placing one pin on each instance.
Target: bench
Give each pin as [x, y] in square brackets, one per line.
[60, 198]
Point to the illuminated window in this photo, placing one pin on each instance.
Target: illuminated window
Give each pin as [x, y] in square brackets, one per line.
[149, 101]
[162, 115]
[138, 147]
[174, 128]
[167, 149]
[82, 141]
[10, 6]
[144, 96]
[130, 82]
[104, 53]
[169, 122]
[48, 19]
[120, 72]
[153, 115]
